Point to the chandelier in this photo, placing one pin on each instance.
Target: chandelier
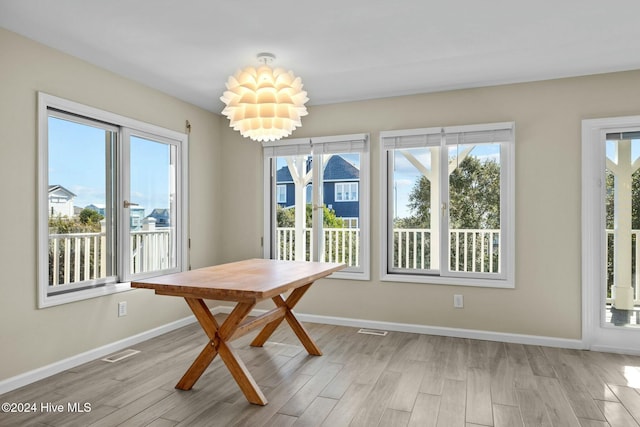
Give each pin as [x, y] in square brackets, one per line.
[264, 104]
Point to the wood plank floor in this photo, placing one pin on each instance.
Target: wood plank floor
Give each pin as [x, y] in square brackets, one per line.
[401, 379]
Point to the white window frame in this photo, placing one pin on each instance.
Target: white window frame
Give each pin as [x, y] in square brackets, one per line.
[437, 136]
[48, 102]
[317, 146]
[347, 186]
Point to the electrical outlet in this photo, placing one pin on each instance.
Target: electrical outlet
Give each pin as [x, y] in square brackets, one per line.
[458, 301]
[122, 308]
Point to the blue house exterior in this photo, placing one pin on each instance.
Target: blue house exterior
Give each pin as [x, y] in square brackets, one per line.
[340, 188]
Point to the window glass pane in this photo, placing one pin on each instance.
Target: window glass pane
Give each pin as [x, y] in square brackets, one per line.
[622, 225]
[340, 233]
[415, 206]
[281, 194]
[80, 209]
[152, 213]
[474, 208]
[341, 175]
[339, 196]
[353, 191]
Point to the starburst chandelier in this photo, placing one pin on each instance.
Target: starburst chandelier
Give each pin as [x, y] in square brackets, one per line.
[264, 104]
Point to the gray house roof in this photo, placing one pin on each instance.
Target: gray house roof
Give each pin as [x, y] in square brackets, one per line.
[338, 169]
[60, 189]
[162, 217]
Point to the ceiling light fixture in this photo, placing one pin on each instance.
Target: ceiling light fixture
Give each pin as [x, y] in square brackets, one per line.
[264, 104]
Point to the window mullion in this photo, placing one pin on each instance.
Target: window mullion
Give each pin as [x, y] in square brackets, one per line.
[123, 185]
[444, 213]
[111, 219]
[390, 195]
[317, 241]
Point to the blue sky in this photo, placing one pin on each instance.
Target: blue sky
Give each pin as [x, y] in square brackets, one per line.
[611, 149]
[77, 162]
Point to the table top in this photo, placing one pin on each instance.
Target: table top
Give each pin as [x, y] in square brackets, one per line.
[248, 280]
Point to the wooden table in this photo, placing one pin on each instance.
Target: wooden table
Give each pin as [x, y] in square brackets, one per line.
[246, 283]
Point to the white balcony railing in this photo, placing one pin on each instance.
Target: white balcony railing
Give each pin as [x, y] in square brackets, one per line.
[340, 245]
[76, 257]
[151, 250]
[635, 267]
[80, 257]
[471, 250]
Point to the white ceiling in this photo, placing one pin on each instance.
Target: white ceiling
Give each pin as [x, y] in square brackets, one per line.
[343, 50]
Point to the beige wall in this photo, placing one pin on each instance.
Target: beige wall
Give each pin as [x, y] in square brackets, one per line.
[32, 338]
[226, 203]
[546, 300]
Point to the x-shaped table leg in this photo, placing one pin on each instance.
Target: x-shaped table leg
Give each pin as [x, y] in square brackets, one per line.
[219, 344]
[297, 327]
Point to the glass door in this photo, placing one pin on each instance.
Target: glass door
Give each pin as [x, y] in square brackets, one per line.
[610, 229]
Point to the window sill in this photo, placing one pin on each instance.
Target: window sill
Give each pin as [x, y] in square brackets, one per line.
[53, 300]
[353, 275]
[456, 281]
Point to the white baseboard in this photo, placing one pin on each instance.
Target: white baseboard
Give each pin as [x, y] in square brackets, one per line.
[430, 330]
[46, 371]
[609, 349]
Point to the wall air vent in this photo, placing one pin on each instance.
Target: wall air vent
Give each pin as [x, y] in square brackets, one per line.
[120, 356]
[373, 332]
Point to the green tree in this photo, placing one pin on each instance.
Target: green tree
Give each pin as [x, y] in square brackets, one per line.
[474, 197]
[286, 217]
[88, 221]
[89, 216]
[419, 205]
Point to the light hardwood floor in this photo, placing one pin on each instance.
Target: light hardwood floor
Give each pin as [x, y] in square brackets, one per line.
[401, 379]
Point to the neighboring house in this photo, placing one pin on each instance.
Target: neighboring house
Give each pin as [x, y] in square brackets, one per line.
[98, 208]
[161, 216]
[340, 191]
[136, 214]
[60, 201]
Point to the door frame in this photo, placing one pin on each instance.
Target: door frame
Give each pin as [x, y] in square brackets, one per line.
[595, 334]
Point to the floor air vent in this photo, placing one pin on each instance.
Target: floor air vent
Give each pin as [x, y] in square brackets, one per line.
[373, 332]
[119, 356]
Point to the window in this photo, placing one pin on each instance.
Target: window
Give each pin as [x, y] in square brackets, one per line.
[346, 191]
[112, 201]
[350, 222]
[449, 199]
[310, 226]
[281, 193]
